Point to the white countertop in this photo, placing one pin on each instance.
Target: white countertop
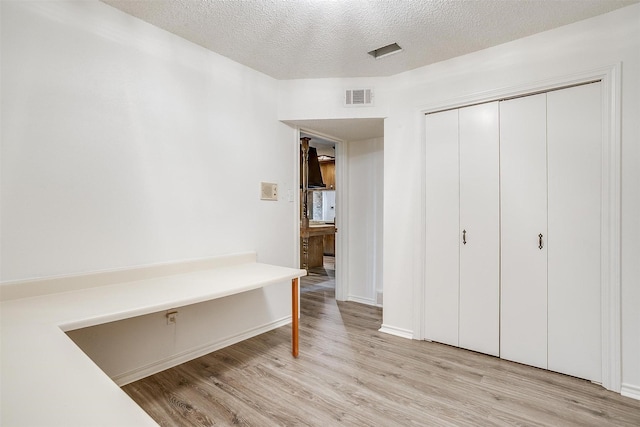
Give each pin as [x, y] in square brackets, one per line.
[46, 380]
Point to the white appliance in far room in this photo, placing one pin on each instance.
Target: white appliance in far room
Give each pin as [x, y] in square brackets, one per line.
[329, 206]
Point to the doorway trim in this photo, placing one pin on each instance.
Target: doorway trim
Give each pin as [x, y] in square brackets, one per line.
[342, 197]
[610, 76]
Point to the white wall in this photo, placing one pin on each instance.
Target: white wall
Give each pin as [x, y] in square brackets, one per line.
[365, 206]
[577, 48]
[124, 145]
[324, 99]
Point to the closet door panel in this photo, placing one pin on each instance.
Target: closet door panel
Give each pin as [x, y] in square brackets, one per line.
[480, 227]
[575, 159]
[523, 182]
[442, 225]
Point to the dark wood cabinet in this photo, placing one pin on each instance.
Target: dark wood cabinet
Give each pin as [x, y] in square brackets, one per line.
[328, 170]
[330, 244]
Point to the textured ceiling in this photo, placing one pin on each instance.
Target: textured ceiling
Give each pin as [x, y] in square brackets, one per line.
[315, 38]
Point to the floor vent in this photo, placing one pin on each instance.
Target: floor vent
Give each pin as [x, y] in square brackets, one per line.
[358, 97]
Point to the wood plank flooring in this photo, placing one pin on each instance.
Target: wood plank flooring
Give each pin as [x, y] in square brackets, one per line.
[348, 373]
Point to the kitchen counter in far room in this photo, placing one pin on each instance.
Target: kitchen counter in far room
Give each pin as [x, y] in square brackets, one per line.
[316, 233]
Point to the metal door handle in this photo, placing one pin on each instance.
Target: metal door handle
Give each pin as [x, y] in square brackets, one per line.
[540, 245]
[464, 237]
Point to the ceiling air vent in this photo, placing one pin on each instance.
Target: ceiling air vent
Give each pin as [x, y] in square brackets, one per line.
[358, 97]
[387, 50]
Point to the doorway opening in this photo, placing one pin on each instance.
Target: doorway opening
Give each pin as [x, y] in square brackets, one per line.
[318, 212]
[358, 149]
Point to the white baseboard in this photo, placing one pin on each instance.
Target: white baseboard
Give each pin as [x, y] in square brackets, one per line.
[360, 300]
[399, 332]
[185, 356]
[630, 390]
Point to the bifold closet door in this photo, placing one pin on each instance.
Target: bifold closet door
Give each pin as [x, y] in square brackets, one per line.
[462, 228]
[479, 238]
[442, 227]
[574, 138]
[523, 182]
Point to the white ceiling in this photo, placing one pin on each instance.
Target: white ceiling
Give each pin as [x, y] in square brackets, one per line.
[324, 132]
[317, 39]
[342, 129]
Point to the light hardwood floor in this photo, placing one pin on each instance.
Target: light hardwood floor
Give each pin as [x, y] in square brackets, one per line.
[348, 373]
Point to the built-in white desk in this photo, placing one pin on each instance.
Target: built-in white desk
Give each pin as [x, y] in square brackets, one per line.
[46, 380]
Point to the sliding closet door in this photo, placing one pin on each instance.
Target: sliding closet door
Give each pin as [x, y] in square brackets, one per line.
[479, 229]
[442, 216]
[575, 159]
[523, 182]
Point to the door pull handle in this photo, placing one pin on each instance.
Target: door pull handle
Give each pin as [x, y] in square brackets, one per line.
[464, 237]
[540, 245]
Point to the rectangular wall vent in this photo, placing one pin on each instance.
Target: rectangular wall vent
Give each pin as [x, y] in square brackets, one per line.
[358, 97]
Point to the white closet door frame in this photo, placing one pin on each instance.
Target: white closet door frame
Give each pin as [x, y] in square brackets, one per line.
[610, 185]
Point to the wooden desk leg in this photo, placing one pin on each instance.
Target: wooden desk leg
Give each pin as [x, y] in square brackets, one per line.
[295, 312]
